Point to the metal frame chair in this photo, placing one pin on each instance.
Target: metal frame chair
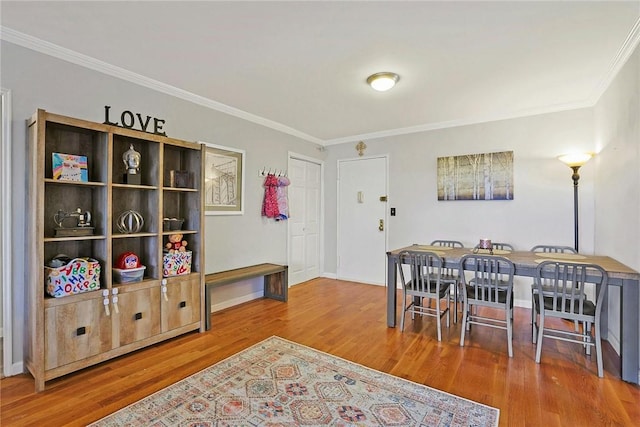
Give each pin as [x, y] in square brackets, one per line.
[490, 285]
[451, 275]
[561, 294]
[556, 249]
[424, 282]
[448, 243]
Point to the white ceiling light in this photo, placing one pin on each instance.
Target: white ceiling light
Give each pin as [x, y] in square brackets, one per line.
[383, 81]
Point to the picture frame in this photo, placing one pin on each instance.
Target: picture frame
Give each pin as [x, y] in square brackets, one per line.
[484, 176]
[69, 167]
[223, 180]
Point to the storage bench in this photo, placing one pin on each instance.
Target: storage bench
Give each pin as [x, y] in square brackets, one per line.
[275, 283]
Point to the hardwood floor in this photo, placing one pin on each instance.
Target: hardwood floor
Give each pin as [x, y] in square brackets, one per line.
[349, 320]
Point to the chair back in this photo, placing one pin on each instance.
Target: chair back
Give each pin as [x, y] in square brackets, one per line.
[490, 279]
[562, 288]
[425, 271]
[448, 243]
[554, 249]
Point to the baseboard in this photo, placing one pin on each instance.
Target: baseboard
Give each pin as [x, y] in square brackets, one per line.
[236, 301]
[15, 369]
[329, 275]
[524, 303]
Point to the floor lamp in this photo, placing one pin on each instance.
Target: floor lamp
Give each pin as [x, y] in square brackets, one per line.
[574, 161]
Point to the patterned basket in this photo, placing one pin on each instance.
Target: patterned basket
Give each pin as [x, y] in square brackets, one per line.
[176, 264]
[77, 276]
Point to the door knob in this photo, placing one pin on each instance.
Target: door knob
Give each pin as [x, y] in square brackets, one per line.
[381, 225]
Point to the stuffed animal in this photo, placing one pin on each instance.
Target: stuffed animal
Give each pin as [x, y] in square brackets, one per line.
[176, 243]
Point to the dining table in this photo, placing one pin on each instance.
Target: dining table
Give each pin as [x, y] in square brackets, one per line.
[525, 263]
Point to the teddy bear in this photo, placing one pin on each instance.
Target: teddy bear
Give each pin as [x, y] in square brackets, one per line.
[176, 243]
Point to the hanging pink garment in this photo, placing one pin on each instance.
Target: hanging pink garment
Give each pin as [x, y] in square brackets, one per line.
[283, 203]
[270, 201]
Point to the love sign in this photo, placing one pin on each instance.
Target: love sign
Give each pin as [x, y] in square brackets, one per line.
[130, 120]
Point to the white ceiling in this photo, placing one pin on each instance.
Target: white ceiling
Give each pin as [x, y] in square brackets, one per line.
[300, 67]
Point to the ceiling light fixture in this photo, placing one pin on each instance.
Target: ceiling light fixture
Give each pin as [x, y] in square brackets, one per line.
[383, 81]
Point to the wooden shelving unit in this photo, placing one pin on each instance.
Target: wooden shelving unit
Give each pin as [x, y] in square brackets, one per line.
[72, 332]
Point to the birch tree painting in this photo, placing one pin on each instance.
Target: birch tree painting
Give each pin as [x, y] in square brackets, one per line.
[487, 176]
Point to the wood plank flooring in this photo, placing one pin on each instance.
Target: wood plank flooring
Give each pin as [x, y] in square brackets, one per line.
[349, 320]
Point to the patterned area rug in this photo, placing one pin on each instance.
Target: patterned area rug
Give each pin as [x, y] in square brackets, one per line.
[279, 383]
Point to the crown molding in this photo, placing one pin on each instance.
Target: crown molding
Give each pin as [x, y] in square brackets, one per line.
[460, 122]
[618, 61]
[82, 60]
[42, 46]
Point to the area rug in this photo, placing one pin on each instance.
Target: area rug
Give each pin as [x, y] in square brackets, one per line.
[279, 383]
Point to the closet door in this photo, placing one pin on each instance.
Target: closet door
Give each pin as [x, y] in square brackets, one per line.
[304, 222]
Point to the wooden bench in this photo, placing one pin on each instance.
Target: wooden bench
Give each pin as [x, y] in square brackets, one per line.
[275, 283]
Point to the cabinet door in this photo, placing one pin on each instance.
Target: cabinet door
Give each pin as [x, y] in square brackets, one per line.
[75, 331]
[139, 315]
[182, 305]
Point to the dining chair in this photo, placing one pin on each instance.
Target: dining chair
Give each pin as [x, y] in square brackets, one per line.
[447, 243]
[546, 249]
[562, 294]
[451, 275]
[424, 281]
[489, 284]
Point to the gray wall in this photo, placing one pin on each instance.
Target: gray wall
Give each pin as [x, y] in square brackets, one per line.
[617, 137]
[41, 81]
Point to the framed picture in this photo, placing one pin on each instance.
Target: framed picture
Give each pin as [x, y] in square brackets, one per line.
[69, 167]
[486, 176]
[223, 180]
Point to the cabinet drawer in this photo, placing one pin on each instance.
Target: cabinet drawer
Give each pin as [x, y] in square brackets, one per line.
[75, 331]
[139, 316]
[182, 305]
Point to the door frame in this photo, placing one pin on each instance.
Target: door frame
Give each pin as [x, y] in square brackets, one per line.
[386, 209]
[6, 218]
[292, 155]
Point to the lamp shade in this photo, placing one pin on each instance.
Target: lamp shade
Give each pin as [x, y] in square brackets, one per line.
[383, 81]
[575, 159]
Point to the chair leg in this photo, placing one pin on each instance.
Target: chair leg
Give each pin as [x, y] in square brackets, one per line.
[438, 320]
[463, 329]
[455, 302]
[404, 313]
[509, 318]
[533, 307]
[586, 333]
[448, 310]
[540, 335]
[599, 351]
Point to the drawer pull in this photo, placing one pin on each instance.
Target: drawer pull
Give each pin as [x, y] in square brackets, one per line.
[138, 316]
[81, 331]
[183, 304]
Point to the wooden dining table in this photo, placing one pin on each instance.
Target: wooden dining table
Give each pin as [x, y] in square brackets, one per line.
[525, 262]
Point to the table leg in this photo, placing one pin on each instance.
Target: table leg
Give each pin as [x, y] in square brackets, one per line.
[629, 335]
[391, 292]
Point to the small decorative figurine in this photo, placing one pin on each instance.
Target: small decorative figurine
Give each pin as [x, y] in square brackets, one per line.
[131, 159]
[83, 223]
[130, 222]
[176, 244]
[128, 260]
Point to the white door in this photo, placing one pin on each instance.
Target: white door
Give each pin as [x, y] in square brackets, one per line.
[304, 221]
[362, 220]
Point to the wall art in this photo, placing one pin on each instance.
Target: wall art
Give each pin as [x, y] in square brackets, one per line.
[487, 176]
[223, 180]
